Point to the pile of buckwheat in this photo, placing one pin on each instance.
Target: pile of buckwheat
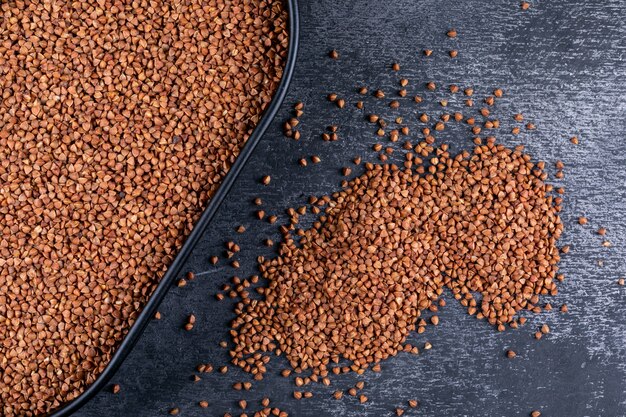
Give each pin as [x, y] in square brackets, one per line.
[353, 286]
[118, 121]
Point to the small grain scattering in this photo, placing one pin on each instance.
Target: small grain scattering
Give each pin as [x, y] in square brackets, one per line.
[388, 243]
[118, 121]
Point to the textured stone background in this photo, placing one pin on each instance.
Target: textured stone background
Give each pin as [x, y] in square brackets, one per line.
[562, 64]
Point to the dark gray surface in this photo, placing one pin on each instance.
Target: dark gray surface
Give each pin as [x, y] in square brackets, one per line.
[562, 64]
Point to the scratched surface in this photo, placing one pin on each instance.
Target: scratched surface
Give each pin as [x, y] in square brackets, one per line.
[561, 63]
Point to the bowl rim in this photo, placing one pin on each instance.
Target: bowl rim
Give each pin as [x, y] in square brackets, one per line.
[197, 232]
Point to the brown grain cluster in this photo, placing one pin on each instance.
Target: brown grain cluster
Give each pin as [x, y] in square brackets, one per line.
[118, 121]
[352, 287]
